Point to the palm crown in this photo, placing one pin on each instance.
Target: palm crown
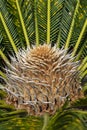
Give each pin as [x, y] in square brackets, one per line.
[27, 23]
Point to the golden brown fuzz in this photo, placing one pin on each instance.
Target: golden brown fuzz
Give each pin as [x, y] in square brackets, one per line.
[41, 79]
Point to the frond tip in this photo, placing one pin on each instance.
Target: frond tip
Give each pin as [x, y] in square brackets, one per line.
[42, 79]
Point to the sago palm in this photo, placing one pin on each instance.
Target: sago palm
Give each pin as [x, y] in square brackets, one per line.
[40, 47]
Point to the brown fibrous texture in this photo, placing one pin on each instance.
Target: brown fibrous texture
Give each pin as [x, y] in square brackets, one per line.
[42, 79]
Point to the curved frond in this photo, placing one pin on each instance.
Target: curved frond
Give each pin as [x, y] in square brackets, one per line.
[66, 120]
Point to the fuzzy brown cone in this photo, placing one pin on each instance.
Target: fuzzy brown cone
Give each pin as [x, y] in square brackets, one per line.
[41, 80]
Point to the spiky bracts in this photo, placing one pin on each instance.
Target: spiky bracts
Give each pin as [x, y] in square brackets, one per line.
[42, 79]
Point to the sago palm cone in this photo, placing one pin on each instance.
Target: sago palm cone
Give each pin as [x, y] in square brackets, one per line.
[41, 79]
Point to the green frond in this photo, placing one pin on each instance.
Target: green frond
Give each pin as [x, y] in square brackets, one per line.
[66, 22]
[85, 89]
[56, 13]
[79, 38]
[4, 57]
[48, 21]
[83, 62]
[84, 67]
[46, 119]
[42, 20]
[2, 74]
[84, 73]
[72, 26]
[68, 120]
[27, 9]
[80, 104]
[8, 33]
[27, 25]
[36, 23]
[22, 23]
[9, 20]
[82, 51]
[2, 96]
